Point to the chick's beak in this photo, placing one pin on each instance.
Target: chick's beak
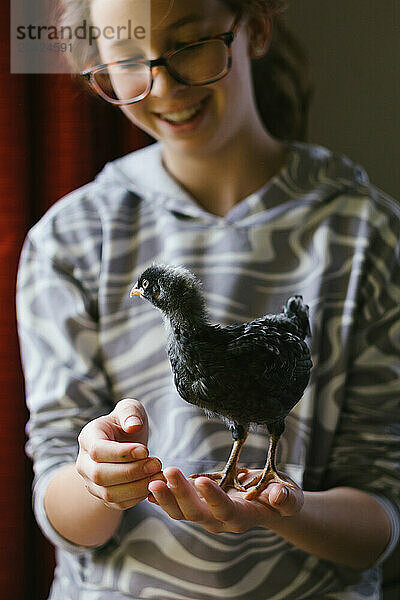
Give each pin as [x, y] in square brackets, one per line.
[135, 291]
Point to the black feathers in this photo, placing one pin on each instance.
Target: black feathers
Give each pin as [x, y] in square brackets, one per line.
[246, 373]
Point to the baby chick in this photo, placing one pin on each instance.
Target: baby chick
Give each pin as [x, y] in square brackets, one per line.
[247, 374]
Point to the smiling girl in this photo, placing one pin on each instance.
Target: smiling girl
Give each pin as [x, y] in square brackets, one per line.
[230, 192]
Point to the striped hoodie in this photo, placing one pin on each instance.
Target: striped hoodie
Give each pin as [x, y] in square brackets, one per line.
[318, 228]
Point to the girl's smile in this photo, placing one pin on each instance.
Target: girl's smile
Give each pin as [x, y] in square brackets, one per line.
[184, 119]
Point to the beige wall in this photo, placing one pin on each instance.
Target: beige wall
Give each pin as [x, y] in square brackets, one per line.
[354, 46]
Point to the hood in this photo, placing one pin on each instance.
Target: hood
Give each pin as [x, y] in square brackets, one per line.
[311, 173]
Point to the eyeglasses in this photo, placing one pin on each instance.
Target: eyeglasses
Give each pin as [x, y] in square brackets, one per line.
[200, 62]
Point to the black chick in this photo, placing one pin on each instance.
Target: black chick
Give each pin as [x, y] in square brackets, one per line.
[246, 374]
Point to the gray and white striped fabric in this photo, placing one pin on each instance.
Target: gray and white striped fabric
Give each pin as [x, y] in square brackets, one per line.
[319, 229]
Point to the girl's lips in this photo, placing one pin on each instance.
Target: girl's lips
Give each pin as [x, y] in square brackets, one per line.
[180, 108]
[188, 125]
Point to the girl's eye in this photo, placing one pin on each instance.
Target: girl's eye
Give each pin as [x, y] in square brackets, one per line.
[145, 284]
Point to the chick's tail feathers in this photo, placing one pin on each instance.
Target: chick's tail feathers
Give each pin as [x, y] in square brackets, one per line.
[296, 308]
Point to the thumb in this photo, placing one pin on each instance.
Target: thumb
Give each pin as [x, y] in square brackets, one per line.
[130, 415]
[287, 500]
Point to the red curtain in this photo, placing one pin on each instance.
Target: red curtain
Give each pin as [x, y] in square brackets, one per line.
[54, 137]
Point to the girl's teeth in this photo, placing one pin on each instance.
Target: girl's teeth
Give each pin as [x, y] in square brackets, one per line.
[183, 115]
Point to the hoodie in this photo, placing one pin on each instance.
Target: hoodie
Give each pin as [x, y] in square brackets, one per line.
[318, 228]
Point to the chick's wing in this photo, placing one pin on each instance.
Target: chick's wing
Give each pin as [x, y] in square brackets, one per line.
[269, 352]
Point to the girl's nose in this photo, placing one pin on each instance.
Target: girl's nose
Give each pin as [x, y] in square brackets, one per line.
[163, 82]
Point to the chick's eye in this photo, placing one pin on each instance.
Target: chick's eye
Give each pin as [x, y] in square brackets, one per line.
[145, 284]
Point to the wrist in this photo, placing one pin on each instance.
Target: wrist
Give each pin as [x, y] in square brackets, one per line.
[343, 525]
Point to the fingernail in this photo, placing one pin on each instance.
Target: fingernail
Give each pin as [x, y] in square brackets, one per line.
[281, 497]
[131, 421]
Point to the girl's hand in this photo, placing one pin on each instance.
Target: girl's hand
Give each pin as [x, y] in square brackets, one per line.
[202, 501]
[113, 457]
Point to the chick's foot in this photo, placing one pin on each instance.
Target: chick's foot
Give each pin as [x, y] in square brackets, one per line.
[262, 481]
[228, 478]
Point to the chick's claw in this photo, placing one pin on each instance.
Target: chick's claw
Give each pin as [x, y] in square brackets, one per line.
[226, 479]
[262, 481]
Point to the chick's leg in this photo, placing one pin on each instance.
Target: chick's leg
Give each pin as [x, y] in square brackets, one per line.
[228, 477]
[269, 474]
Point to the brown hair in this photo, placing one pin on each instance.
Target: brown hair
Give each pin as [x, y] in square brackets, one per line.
[281, 78]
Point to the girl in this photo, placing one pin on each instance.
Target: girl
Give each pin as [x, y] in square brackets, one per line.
[258, 218]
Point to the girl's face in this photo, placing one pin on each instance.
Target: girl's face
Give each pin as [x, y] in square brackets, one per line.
[217, 113]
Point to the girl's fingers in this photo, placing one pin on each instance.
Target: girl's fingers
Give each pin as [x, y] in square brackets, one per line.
[190, 504]
[166, 499]
[186, 496]
[219, 503]
[107, 474]
[130, 414]
[116, 494]
[108, 451]
[286, 500]
[205, 503]
[124, 505]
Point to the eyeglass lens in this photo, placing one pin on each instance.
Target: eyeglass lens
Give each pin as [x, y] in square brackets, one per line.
[195, 65]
